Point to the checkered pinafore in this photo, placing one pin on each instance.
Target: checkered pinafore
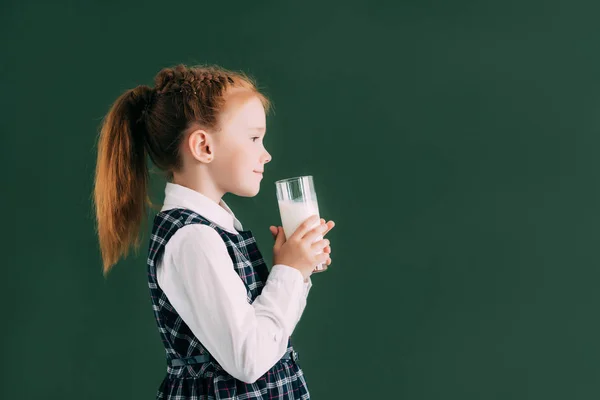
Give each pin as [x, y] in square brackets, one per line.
[208, 380]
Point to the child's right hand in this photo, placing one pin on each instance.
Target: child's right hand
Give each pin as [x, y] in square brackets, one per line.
[300, 251]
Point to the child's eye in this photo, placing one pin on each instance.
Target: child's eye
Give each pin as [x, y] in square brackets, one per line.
[256, 137]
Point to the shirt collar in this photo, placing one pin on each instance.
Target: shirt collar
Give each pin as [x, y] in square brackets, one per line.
[178, 196]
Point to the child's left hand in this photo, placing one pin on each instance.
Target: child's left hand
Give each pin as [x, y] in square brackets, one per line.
[326, 249]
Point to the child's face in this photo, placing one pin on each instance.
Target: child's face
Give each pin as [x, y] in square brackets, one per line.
[240, 154]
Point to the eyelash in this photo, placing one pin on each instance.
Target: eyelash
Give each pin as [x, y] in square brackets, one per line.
[256, 137]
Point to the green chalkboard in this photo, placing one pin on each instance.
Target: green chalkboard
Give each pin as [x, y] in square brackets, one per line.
[453, 143]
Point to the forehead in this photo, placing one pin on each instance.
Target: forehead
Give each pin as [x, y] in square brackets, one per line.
[243, 109]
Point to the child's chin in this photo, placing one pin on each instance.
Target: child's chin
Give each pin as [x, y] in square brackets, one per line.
[248, 192]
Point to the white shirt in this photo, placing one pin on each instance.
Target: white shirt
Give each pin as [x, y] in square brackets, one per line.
[197, 275]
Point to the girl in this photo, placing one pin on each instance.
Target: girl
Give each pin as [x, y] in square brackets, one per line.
[225, 320]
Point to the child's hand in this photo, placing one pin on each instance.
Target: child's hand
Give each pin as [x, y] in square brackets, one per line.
[326, 249]
[301, 251]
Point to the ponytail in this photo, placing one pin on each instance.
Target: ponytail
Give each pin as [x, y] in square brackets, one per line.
[121, 181]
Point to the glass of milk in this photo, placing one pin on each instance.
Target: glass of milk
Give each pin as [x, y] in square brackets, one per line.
[297, 201]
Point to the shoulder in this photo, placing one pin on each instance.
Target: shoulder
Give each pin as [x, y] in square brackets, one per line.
[195, 238]
[197, 233]
[196, 249]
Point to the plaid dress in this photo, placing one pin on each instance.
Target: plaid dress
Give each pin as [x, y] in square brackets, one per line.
[208, 380]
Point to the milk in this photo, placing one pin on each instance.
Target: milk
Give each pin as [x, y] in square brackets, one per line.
[294, 213]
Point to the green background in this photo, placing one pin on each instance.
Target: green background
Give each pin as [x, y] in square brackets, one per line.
[453, 143]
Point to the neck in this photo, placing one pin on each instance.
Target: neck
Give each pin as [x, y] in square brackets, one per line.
[201, 184]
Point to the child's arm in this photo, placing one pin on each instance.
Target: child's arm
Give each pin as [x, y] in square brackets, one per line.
[246, 339]
[307, 285]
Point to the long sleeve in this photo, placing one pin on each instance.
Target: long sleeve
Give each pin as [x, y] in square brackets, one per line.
[198, 277]
[304, 298]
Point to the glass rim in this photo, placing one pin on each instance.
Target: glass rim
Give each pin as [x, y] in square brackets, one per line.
[293, 178]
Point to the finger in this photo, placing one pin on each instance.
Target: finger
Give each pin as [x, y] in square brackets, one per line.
[315, 234]
[317, 246]
[327, 249]
[305, 226]
[273, 230]
[280, 239]
[330, 226]
[322, 257]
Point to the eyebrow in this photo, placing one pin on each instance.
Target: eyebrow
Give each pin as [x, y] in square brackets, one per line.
[258, 128]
